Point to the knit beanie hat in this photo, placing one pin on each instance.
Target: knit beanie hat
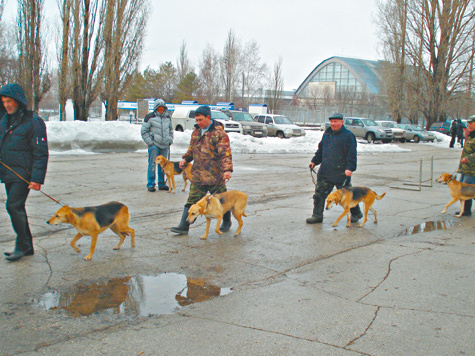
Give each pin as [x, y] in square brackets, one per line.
[203, 110]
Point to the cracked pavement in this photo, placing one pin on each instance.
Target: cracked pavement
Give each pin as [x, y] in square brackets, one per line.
[297, 289]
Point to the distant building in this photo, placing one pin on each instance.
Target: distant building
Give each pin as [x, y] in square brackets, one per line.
[339, 74]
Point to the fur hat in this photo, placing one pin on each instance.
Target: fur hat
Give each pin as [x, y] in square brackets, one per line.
[157, 103]
[336, 116]
[203, 110]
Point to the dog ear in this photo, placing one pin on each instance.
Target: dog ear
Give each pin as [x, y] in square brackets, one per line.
[202, 210]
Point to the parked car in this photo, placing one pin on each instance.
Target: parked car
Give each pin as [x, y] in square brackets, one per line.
[417, 133]
[183, 118]
[438, 127]
[368, 129]
[280, 126]
[398, 133]
[249, 126]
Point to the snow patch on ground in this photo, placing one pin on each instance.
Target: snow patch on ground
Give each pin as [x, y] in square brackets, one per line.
[78, 137]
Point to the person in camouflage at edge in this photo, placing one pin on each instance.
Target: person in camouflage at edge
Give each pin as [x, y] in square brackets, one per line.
[210, 152]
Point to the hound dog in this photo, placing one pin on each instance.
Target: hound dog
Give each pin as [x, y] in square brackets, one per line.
[172, 169]
[215, 206]
[349, 197]
[458, 190]
[93, 220]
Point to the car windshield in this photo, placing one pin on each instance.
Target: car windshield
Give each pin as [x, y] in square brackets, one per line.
[389, 124]
[282, 120]
[219, 115]
[416, 128]
[369, 122]
[242, 116]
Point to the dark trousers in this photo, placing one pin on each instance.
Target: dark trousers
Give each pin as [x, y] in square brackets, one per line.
[199, 191]
[325, 187]
[452, 141]
[17, 192]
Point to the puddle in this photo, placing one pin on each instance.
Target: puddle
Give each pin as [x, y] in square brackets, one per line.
[427, 227]
[136, 296]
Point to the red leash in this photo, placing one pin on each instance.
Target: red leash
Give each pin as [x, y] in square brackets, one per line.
[23, 179]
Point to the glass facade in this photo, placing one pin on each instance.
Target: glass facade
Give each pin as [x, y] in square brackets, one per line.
[335, 72]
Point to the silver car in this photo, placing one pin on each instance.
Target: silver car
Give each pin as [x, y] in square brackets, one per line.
[417, 133]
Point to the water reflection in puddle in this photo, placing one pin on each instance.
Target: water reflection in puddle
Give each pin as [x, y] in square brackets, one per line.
[428, 226]
[137, 296]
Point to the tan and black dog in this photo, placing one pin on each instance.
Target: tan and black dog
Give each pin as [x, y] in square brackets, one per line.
[172, 169]
[93, 220]
[458, 190]
[215, 206]
[349, 197]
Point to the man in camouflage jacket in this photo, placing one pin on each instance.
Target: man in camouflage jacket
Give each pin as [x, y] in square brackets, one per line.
[210, 152]
[467, 163]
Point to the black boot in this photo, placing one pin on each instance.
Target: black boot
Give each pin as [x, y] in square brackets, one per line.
[184, 225]
[317, 215]
[226, 225]
[467, 208]
[356, 214]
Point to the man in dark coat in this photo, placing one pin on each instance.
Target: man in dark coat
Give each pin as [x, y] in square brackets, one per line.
[24, 149]
[336, 156]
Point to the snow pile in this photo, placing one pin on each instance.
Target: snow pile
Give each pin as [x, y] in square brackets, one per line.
[77, 137]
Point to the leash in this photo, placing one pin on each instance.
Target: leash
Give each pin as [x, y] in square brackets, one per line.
[213, 191]
[23, 179]
[314, 176]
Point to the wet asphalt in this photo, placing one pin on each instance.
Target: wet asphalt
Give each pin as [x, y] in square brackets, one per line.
[403, 286]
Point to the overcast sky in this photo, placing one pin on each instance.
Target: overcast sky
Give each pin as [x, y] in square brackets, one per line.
[302, 32]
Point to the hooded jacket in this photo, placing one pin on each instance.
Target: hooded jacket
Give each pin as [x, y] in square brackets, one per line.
[211, 155]
[336, 153]
[157, 129]
[23, 141]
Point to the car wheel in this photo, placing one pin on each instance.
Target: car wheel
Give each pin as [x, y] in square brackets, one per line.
[416, 139]
[179, 128]
[370, 137]
[402, 140]
[280, 134]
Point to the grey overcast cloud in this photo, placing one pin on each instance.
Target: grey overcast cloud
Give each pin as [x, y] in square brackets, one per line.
[302, 32]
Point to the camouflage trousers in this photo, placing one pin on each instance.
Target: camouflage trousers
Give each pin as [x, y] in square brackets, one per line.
[199, 191]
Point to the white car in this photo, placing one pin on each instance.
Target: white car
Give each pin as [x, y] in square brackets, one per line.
[398, 133]
[183, 118]
[280, 126]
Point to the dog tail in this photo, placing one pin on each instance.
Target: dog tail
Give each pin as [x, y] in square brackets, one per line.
[379, 197]
[244, 214]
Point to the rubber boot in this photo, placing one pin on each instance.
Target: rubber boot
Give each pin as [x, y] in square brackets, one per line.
[226, 224]
[356, 214]
[317, 215]
[467, 208]
[184, 226]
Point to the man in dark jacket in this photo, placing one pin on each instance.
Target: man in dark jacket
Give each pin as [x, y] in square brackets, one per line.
[24, 149]
[336, 156]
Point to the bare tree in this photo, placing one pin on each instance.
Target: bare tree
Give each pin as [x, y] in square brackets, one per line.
[123, 36]
[209, 75]
[183, 63]
[276, 84]
[64, 85]
[393, 24]
[438, 43]
[253, 72]
[230, 65]
[33, 72]
[87, 51]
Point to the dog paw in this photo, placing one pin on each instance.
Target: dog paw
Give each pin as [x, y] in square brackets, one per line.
[237, 234]
[204, 237]
[348, 225]
[116, 248]
[334, 225]
[443, 212]
[87, 258]
[458, 216]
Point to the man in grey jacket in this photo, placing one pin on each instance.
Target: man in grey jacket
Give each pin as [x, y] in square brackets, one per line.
[157, 132]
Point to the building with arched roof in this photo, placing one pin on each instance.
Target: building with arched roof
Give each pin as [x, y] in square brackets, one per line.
[339, 74]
